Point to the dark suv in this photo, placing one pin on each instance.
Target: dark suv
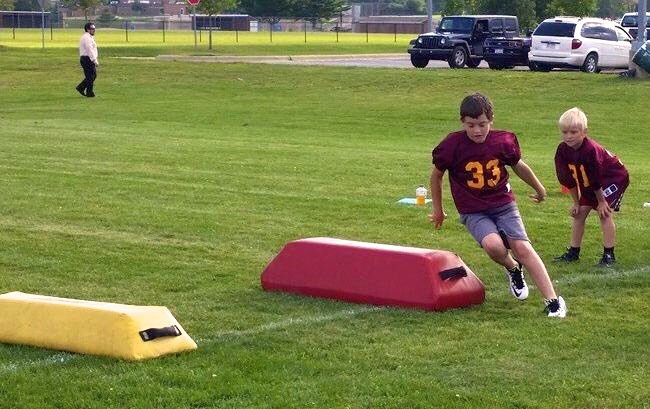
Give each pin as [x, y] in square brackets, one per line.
[459, 39]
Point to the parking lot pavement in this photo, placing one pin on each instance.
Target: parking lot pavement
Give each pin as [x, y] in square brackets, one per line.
[356, 60]
[364, 60]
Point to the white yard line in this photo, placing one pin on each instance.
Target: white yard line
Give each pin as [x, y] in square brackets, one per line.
[64, 357]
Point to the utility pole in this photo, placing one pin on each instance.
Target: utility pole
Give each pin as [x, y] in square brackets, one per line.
[429, 16]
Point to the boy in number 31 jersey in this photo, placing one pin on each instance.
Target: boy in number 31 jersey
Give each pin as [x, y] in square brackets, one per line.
[596, 179]
[476, 158]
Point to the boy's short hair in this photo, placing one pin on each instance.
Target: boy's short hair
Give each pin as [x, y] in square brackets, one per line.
[476, 104]
[88, 25]
[573, 118]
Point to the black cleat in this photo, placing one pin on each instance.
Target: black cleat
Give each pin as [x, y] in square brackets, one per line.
[80, 90]
[567, 257]
[607, 260]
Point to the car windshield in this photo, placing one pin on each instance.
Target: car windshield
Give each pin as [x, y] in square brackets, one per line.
[458, 25]
[555, 29]
[630, 21]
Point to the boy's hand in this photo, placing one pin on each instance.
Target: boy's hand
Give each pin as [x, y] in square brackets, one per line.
[437, 217]
[538, 197]
[603, 209]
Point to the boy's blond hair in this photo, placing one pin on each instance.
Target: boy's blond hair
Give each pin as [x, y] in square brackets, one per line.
[574, 118]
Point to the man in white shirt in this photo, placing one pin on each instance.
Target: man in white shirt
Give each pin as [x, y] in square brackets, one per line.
[88, 59]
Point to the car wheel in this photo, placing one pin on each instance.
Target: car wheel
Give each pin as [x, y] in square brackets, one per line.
[419, 62]
[473, 63]
[591, 64]
[458, 57]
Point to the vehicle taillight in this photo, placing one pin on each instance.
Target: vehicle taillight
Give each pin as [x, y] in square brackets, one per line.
[576, 43]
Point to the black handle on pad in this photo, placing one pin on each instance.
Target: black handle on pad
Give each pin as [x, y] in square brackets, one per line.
[456, 272]
[153, 333]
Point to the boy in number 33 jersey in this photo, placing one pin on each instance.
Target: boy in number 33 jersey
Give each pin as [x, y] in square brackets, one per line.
[476, 158]
[596, 180]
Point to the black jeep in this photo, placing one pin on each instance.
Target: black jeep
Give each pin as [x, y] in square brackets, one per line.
[459, 39]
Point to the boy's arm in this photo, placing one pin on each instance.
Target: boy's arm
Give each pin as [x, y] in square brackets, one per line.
[526, 174]
[437, 215]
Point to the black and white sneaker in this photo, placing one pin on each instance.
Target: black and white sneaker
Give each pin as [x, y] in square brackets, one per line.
[518, 287]
[556, 308]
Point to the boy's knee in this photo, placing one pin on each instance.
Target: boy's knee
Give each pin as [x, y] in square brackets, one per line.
[493, 246]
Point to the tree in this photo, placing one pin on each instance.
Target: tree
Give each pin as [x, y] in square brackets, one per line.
[212, 7]
[523, 9]
[84, 5]
[406, 7]
[460, 7]
[578, 8]
[266, 8]
[316, 10]
[26, 5]
[612, 8]
[6, 4]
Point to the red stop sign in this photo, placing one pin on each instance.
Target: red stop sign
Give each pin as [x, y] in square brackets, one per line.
[194, 2]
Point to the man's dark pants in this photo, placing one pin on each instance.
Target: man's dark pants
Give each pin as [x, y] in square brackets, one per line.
[90, 74]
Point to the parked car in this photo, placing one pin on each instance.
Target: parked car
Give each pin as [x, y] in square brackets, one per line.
[459, 39]
[585, 43]
[501, 52]
[630, 23]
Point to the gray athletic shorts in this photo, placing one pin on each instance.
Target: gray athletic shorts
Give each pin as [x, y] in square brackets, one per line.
[504, 220]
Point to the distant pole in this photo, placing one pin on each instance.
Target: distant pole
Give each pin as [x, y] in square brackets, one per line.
[429, 16]
[126, 30]
[13, 24]
[43, 26]
[163, 28]
[194, 23]
[642, 20]
[305, 31]
[271, 30]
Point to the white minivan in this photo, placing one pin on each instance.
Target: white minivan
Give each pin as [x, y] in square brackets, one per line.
[585, 43]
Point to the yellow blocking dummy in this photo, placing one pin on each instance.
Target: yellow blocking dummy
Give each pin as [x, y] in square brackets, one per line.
[89, 327]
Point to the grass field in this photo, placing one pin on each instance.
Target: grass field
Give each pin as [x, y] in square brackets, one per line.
[180, 182]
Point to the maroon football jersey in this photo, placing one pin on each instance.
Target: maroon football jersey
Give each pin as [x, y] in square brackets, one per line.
[477, 171]
[590, 167]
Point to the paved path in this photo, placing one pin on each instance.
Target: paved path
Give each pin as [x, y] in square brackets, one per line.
[401, 60]
[364, 60]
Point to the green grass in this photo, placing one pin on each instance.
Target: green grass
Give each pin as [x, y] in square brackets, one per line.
[180, 182]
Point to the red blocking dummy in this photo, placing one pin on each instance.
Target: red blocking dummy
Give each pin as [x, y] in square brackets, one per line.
[371, 273]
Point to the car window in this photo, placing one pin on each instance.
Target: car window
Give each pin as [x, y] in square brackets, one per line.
[598, 32]
[511, 25]
[555, 29]
[629, 21]
[459, 25]
[622, 34]
[496, 25]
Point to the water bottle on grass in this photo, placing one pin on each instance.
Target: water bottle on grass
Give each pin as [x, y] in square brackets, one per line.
[420, 195]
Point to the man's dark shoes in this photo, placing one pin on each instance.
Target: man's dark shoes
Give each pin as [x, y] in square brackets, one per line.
[80, 90]
[607, 260]
[90, 95]
[567, 257]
